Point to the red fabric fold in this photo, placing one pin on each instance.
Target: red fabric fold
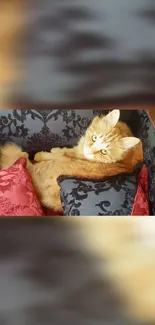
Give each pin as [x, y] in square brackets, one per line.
[17, 193]
[141, 202]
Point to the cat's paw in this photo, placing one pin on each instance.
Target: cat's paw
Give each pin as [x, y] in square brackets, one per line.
[53, 150]
[39, 156]
[57, 151]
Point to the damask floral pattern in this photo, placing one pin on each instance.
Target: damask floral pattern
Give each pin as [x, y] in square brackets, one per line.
[37, 130]
[141, 205]
[17, 193]
[114, 196]
[146, 132]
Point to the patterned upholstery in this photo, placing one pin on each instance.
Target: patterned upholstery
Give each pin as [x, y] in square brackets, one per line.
[114, 196]
[146, 132]
[37, 130]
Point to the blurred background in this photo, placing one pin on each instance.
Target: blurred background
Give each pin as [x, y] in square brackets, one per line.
[86, 271]
[77, 52]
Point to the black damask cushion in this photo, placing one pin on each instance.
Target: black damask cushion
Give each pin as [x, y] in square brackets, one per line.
[89, 197]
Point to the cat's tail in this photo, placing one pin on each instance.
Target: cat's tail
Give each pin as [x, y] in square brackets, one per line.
[9, 153]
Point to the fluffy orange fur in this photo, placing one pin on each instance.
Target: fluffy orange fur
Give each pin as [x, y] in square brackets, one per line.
[107, 148]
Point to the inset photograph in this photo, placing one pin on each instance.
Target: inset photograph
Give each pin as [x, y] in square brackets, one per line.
[77, 162]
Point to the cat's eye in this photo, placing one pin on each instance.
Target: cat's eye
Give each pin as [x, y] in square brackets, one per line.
[94, 138]
[104, 151]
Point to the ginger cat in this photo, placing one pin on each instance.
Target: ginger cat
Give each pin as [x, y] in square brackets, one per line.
[107, 148]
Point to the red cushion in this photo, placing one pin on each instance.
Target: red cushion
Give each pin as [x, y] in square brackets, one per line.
[17, 193]
[141, 202]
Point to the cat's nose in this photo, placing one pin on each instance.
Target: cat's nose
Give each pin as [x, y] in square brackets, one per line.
[101, 146]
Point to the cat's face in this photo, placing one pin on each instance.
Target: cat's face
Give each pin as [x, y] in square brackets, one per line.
[105, 141]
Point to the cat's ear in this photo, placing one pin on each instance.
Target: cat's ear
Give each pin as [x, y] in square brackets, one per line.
[128, 142]
[97, 119]
[113, 117]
